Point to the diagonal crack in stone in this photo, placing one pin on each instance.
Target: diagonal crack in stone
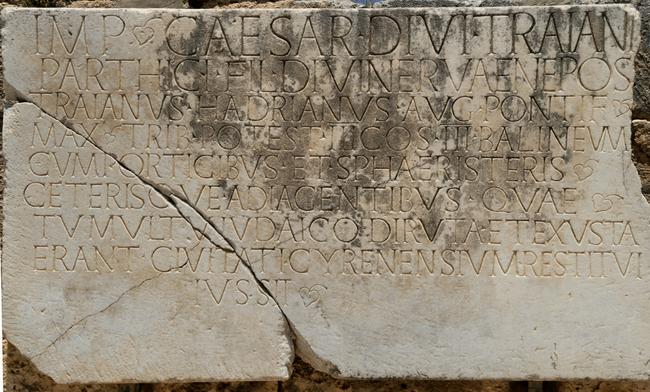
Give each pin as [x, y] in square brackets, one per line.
[185, 209]
[85, 318]
[300, 345]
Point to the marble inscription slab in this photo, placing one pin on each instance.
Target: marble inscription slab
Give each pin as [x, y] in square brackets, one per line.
[419, 193]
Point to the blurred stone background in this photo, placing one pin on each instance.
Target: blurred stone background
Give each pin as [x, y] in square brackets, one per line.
[21, 375]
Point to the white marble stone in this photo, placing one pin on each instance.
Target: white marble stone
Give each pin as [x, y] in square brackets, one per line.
[424, 193]
[97, 273]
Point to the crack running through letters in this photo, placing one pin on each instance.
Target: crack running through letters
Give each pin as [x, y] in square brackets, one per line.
[173, 199]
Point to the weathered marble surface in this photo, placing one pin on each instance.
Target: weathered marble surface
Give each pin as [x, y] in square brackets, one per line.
[419, 201]
[115, 318]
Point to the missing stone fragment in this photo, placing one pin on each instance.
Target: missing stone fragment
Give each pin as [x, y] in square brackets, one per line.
[641, 152]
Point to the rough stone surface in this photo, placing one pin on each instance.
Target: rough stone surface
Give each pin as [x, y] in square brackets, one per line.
[151, 3]
[330, 311]
[641, 152]
[92, 4]
[642, 67]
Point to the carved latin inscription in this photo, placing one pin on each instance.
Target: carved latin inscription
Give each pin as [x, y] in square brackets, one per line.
[420, 192]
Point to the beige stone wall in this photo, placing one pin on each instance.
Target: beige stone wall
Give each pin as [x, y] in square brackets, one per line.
[21, 375]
